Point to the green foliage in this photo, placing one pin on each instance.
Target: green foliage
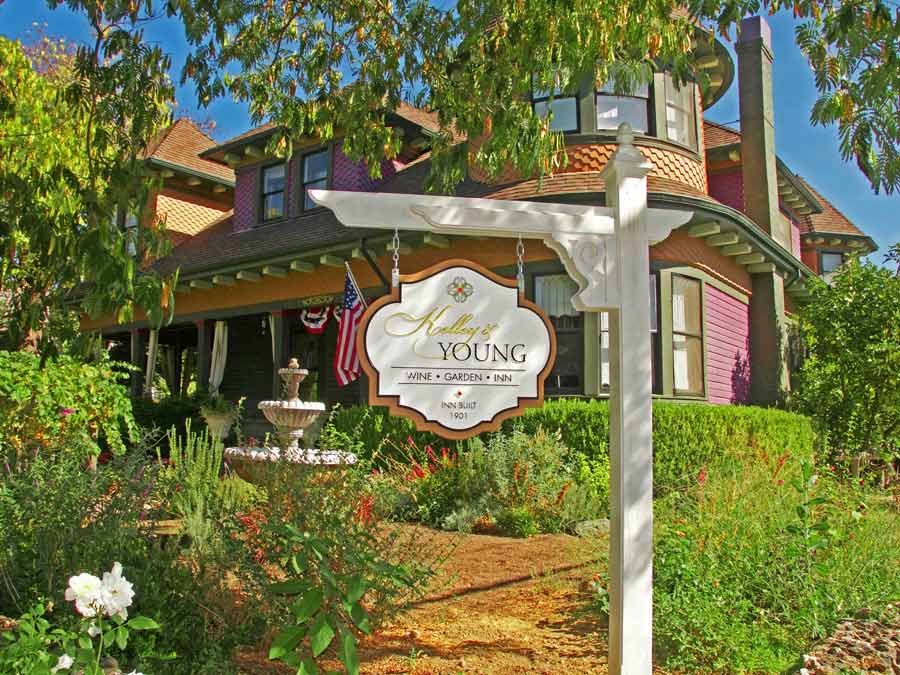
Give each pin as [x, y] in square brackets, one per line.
[752, 564]
[60, 519]
[172, 411]
[338, 568]
[517, 484]
[69, 162]
[78, 407]
[37, 647]
[685, 436]
[853, 49]
[850, 380]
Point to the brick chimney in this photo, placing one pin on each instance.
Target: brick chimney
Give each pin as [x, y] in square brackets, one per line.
[768, 363]
[754, 50]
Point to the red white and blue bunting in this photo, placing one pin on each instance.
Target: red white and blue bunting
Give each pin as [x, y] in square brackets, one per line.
[315, 319]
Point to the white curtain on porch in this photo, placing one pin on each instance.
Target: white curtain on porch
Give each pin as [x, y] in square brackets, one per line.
[272, 333]
[219, 354]
[152, 351]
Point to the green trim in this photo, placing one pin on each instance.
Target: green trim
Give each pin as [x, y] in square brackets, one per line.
[783, 171]
[774, 251]
[233, 145]
[666, 356]
[709, 279]
[592, 384]
[180, 168]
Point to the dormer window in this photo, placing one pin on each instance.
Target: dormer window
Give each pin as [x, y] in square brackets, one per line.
[315, 176]
[564, 107]
[613, 109]
[273, 184]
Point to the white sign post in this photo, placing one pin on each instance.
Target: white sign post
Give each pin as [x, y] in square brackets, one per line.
[606, 251]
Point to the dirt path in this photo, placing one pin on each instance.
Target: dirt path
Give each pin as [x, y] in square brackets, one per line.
[505, 606]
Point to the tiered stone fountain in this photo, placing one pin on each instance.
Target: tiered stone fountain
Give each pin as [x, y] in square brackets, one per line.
[290, 417]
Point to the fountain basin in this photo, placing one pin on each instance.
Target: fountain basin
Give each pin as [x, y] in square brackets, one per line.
[291, 414]
[252, 464]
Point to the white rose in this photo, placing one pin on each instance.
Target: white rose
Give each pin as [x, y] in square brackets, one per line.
[116, 592]
[65, 662]
[93, 631]
[84, 590]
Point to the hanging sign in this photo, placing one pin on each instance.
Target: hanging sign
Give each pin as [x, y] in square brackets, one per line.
[456, 349]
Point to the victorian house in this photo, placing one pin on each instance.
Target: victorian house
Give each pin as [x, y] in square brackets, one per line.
[263, 264]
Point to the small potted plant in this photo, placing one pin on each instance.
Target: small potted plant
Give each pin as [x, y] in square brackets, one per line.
[220, 415]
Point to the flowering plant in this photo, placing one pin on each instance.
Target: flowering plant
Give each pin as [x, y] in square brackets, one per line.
[34, 645]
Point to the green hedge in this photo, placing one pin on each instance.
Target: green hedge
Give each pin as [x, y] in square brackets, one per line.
[685, 436]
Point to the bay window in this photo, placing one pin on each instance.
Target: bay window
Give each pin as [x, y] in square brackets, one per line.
[687, 336]
[681, 125]
[613, 108]
[563, 106]
[273, 184]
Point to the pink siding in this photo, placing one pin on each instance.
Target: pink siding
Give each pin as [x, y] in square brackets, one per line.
[244, 199]
[727, 347]
[350, 175]
[728, 188]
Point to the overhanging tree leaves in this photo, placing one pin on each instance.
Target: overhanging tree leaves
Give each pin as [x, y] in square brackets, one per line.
[322, 67]
[70, 144]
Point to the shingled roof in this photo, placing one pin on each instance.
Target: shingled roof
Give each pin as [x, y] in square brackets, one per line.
[830, 220]
[718, 135]
[181, 144]
[187, 216]
[418, 116]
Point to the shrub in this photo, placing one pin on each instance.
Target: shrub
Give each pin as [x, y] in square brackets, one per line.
[515, 483]
[66, 404]
[172, 411]
[752, 566]
[685, 436]
[60, 519]
[329, 565]
[850, 380]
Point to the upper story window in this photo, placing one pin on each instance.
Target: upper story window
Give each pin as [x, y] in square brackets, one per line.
[687, 335]
[613, 109]
[273, 189]
[681, 125]
[315, 175]
[563, 106]
[831, 262]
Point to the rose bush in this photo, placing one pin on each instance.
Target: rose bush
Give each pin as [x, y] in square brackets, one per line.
[34, 642]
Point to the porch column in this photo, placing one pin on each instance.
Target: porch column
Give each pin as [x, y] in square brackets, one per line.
[203, 353]
[138, 352]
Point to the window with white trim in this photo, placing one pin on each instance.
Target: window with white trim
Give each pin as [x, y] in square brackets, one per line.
[553, 293]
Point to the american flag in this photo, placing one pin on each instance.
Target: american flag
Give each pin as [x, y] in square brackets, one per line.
[346, 359]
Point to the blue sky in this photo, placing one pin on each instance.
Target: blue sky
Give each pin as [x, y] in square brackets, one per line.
[810, 151]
